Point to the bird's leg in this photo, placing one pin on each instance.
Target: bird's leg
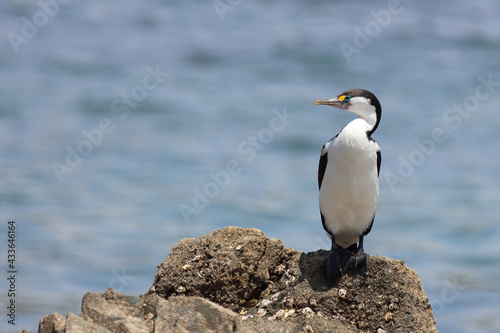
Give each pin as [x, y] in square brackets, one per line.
[361, 258]
[338, 261]
[334, 269]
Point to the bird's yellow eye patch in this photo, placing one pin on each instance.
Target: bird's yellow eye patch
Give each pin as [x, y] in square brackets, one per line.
[345, 98]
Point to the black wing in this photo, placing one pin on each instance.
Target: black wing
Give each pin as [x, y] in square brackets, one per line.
[379, 161]
[323, 160]
[379, 155]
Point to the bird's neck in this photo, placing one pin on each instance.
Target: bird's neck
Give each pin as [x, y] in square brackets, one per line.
[357, 129]
[371, 122]
[369, 118]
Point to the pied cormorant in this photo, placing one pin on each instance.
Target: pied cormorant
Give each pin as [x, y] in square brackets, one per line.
[348, 172]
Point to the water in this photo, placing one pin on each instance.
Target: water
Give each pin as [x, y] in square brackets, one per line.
[143, 145]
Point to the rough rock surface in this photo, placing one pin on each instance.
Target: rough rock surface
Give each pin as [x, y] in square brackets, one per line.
[227, 266]
[238, 280]
[113, 312]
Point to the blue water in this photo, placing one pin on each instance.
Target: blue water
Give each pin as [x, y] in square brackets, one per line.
[99, 156]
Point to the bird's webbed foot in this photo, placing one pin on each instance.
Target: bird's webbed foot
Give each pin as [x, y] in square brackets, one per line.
[340, 260]
[358, 262]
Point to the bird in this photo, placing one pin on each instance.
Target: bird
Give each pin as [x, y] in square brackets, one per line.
[348, 173]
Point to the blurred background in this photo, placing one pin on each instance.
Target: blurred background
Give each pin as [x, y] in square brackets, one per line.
[127, 126]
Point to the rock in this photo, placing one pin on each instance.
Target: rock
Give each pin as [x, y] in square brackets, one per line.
[243, 270]
[114, 311]
[76, 324]
[191, 314]
[227, 266]
[53, 323]
[238, 280]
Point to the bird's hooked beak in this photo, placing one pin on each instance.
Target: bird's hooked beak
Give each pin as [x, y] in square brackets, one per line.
[335, 102]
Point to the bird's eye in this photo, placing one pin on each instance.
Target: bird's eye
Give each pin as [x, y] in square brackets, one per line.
[345, 98]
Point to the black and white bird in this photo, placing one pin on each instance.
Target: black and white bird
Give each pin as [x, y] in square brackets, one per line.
[348, 172]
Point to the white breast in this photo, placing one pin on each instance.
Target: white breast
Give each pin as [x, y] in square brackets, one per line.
[348, 196]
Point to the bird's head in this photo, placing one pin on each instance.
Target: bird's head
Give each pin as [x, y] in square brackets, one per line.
[359, 101]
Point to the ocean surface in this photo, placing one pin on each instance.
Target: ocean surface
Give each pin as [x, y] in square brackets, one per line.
[127, 126]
